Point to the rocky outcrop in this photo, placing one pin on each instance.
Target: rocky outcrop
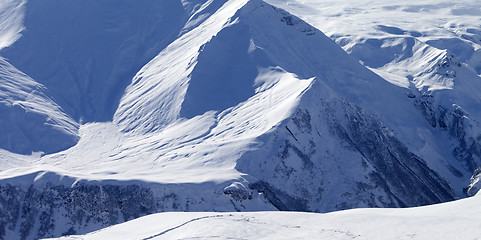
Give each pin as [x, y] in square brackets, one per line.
[51, 209]
[475, 185]
[458, 125]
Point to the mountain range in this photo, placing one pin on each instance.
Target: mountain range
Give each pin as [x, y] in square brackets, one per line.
[115, 109]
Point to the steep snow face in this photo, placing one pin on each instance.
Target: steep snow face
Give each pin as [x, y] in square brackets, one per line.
[169, 87]
[86, 53]
[155, 96]
[11, 17]
[452, 220]
[30, 120]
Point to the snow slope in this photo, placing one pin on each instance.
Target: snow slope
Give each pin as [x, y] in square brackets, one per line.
[453, 220]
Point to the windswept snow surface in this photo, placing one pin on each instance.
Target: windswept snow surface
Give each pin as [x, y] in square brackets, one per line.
[30, 120]
[452, 25]
[404, 41]
[453, 220]
[11, 17]
[204, 148]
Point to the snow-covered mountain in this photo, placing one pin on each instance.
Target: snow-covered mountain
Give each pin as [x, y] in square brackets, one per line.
[112, 110]
[430, 48]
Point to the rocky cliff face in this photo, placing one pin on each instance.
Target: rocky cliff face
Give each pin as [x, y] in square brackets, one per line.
[48, 209]
[475, 185]
[458, 125]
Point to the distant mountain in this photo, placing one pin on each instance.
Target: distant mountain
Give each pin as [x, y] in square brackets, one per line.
[430, 48]
[119, 109]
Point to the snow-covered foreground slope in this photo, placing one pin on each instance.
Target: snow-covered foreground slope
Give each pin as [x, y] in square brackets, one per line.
[453, 220]
[221, 106]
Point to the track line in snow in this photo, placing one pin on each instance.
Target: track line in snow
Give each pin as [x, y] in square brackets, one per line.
[181, 225]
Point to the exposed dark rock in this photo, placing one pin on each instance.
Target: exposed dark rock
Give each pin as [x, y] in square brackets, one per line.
[280, 199]
[42, 211]
[457, 124]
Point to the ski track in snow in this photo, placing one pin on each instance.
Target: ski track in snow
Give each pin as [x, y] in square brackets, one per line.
[181, 225]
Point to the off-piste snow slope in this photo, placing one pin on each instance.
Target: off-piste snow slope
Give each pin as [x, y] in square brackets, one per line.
[152, 106]
[453, 220]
